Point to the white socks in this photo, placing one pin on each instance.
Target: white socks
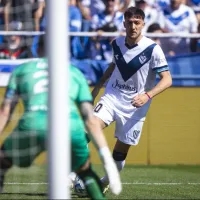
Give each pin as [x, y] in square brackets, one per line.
[120, 164]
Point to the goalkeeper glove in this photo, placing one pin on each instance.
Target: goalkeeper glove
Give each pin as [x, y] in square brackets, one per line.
[111, 170]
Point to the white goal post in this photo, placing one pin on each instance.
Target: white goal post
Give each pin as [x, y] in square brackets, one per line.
[58, 138]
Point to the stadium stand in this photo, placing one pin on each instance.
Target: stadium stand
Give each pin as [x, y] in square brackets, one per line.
[91, 54]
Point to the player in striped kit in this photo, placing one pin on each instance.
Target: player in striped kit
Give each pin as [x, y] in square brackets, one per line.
[131, 86]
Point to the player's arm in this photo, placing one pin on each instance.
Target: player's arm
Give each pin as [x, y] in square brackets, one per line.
[164, 83]
[6, 111]
[4, 114]
[84, 100]
[103, 79]
[9, 102]
[159, 65]
[38, 15]
[7, 13]
[94, 130]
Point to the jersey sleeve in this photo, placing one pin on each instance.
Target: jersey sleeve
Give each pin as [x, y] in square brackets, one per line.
[84, 94]
[193, 22]
[95, 22]
[75, 20]
[11, 90]
[158, 60]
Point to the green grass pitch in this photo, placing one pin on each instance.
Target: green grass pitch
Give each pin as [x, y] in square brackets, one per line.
[139, 182]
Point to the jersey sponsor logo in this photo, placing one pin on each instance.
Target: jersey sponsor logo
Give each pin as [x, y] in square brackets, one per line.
[142, 58]
[124, 86]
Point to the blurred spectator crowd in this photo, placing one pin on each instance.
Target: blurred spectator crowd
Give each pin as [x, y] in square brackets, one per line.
[162, 16]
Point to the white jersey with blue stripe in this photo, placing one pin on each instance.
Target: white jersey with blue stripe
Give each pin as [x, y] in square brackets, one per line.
[181, 20]
[135, 73]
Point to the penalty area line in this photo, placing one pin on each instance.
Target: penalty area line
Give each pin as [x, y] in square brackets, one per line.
[134, 183]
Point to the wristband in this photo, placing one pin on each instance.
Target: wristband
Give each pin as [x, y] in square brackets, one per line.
[148, 95]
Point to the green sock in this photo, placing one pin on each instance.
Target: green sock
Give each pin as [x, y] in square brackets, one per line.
[93, 188]
[92, 183]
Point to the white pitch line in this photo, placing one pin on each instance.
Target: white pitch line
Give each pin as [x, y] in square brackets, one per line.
[136, 183]
[161, 183]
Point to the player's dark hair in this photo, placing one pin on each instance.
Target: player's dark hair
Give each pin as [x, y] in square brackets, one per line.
[133, 11]
[154, 27]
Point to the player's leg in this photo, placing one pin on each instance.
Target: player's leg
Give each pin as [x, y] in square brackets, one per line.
[5, 164]
[91, 181]
[104, 115]
[82, 166]
[128, 132]
[20, 148]
[102, 124]
[119, 155]
[23, 146]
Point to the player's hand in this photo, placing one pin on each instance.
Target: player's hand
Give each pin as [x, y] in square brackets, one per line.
[111, 171]
[95, 92]
[140, 100]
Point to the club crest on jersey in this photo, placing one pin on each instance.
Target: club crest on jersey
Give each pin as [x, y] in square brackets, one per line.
[116, 56]
[142, 58]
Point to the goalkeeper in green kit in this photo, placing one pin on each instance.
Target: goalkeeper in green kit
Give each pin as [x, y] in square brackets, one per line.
[29, 82]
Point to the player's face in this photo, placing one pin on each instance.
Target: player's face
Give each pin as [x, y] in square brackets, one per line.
[133, 26]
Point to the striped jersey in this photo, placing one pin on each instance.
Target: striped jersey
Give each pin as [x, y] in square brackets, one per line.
[135, 73]
[181, 20]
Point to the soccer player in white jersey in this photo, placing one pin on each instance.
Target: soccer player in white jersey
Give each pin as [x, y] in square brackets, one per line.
[131, 85]
[178, 18]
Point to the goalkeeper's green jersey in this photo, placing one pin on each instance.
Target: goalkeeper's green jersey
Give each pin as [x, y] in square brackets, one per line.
[29, 82]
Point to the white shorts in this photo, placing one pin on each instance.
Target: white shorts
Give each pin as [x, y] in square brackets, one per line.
[128, 130]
